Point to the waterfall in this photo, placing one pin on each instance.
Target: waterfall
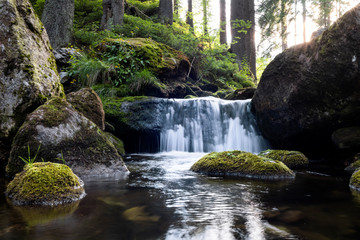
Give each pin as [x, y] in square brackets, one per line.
[210, 124]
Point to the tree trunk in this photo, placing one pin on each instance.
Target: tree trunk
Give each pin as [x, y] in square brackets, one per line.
[166, 11]
[304, 19]
[243, 44]
[189, 15]
[176, 9]
[283, 25]
[205, 17]
[57, 17]
[223, 22]
[295, 22]
[113, 13]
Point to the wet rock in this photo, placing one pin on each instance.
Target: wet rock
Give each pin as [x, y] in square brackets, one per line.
[88, 103]
[291, 216]
[241, 94]
[292, 159]
[241, 164]
[118, 143]
[345, 138]
[63, 134]
[312, 89]
[63, 56]
[28, 75]
[45, 183]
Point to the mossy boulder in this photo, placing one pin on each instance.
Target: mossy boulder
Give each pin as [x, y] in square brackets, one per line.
[45, 183]
[310, 90]
[241, 94]
[241, 164]
[355, 164]
[28, 75]
[355, 180]
[347, 138]
[118, 143]
[292, 159]
[61, 132]
[88, 103]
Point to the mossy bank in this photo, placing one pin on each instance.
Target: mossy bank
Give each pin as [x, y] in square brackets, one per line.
[241, 164]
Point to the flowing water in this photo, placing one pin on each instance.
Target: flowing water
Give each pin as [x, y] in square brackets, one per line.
[163, 199]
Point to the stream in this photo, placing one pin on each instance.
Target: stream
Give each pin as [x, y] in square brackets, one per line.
[162, 199]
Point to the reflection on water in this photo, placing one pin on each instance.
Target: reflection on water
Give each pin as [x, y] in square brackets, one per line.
[162, 199]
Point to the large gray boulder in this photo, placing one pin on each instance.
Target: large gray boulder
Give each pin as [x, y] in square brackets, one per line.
[61, 134]
[310, 90]
[28, 75]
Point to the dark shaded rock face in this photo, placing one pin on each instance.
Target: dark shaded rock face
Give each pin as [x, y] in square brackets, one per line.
[310, 90]
[28, 73]
[60, 133]
[241, 94]
[88, 103]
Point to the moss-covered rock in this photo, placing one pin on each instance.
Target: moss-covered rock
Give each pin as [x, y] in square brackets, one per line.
[118, 143]
[28, 75]
[241, 94]
[61, 132]
[347, 138]
[45, 184]
[241, 164]
[88, 103]
[310, 90]
[355, 180]
[355, 164]
[292, 159]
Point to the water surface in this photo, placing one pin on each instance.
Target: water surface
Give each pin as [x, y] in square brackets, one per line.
[162, 199]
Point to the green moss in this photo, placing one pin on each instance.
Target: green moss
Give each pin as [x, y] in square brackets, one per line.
[118, 143]
[292, 159]
[241, 164]
[45, 184]
[54, 112]
[355, 180]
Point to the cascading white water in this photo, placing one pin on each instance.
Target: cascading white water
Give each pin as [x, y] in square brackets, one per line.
[210, 124]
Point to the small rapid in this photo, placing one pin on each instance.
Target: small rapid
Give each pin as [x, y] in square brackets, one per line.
[210, 124]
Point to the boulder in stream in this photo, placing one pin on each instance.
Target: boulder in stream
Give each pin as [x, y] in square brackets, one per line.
[292, 159]
[45, 183]
[238, 164]
[310, 90]
[62, 134]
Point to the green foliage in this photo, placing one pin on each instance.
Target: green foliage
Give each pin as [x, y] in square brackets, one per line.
[88, 14]
[141, 80]
[148, 7]
[38, 6]
[218, 64]
[261, 64]
[87, 71]
[87, 37]
[241, 26]
[30, 160]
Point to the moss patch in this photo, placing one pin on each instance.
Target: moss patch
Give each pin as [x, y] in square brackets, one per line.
[241, 164]
[118, 143]
[292, 159]
[45, 184]
[355, 180]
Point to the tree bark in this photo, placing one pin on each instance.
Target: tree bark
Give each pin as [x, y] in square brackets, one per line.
[205, 17]
[283, 25]
[189, 15]
[223, 22]
[243, 44]
[166, 11]
[57, 17]
[113, 13]
[304, 19]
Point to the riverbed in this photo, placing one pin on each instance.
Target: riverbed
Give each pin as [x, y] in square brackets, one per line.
[162, 199]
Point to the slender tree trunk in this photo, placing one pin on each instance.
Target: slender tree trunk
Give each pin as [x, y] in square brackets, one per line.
[57, 17]
[295, 23]
[243, 44]
[205, 17]
[113, 13]
[223, 22]
[189, 15]
[283, 25]
[166, 11]
[304, 19]
[176, 9]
